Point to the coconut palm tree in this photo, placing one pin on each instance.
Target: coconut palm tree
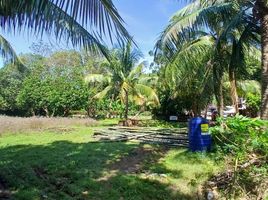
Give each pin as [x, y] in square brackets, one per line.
[192, 78]
[227, 22]
[185, 28]
[80, 22]
[124, 79]
[257, 10]
[260, 9]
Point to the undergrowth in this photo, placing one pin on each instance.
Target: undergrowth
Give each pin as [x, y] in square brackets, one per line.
[244, 142]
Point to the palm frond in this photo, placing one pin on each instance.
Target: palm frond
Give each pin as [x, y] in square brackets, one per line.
[196, 16]
[9, 55]
[135, 73]
[103, 93]
[97, 78]
[84, 22]
[148, 93]
[7, 51]
[248, 86]
[150, 80]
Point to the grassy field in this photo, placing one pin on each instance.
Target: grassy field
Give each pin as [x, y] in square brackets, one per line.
[66, 163]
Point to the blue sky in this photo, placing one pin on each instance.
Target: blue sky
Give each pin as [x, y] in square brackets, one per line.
[145, 19]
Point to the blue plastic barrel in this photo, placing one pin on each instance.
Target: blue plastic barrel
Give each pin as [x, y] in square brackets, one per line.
[199, 136]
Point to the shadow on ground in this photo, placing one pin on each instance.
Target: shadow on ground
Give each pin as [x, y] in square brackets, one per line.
[65, 170]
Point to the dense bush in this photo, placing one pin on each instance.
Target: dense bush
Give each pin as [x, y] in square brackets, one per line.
[253, 104]
[241, 136]
[107, 108]
[10, 85]
[53, 91]
[244, 142]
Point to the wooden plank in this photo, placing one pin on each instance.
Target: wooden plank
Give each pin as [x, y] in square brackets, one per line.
[169, 137]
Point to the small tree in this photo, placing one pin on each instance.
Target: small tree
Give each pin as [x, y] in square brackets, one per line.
[123, 79]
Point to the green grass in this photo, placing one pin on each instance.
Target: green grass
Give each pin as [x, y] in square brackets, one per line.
[108, 122]
[186, 170]
[71, 165]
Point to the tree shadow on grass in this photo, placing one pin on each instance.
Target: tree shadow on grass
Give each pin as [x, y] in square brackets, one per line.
[65, 170]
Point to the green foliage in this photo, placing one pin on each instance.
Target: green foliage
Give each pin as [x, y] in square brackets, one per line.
[241, 136]
[171, 106]
[182, 88]
[245, 142]
[217, 36]
[10, 85]
[107, 108]
[53, 91]
[123, 80]
[67, 58]
[54, 85]
[253, 102]
[61, 20]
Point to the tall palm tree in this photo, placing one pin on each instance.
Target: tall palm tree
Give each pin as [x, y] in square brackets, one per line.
[198, 21]
[261, 13]
[259, 18]
[228, 22]
[192, 78]
[124, 79]
[81, 22]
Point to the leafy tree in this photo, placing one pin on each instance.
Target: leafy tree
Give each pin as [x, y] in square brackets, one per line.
[10, 84]
[253, 101]
[53, 91]
[41, 48]
[67, 58]
[123, 79]
[92, 63]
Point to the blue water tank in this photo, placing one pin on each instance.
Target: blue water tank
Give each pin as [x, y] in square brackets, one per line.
[199, 136]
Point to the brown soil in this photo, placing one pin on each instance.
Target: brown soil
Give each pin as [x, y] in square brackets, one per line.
[134, 161]
[129, 122]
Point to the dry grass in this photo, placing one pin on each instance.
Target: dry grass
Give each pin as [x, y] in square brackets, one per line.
[23, 125]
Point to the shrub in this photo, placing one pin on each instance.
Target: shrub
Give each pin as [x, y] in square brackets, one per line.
[244, 142]
[253, 104]
[241, 135]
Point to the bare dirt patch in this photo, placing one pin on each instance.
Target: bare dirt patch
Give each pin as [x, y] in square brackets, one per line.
[36, 124]
[134, 161]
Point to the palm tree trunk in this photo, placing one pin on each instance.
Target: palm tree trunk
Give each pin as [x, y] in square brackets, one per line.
[264, 44]
[195, 108]
[234, 95]
[220, 100]
[206, 111]
[218, 89]
[126, 104]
